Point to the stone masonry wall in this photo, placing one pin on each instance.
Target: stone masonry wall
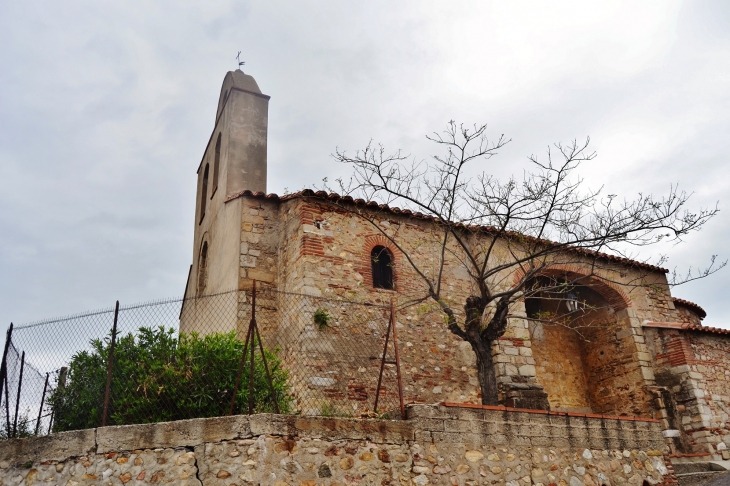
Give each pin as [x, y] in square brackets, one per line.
[325, 251]
[436, 445]
[693, 368]
[307, 246]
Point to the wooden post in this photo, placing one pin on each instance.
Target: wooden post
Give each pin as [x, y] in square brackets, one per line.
[249, 339]
[40, 409]
[4, 375]
[397, 359]
[17, 399]
[62, 373]
[109, 366]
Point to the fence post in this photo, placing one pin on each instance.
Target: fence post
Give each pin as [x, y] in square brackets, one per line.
[266, 368]
[17, 399]
[397, 359]
[245, 348]
[382, 362]
[109, 366]
[7, 405]
[4, 373]
[61, 385]
[40, 410]
[253, 338]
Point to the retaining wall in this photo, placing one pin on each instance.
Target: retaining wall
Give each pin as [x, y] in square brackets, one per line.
[436, 445]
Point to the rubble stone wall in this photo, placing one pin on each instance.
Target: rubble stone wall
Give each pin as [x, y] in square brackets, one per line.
[436, 445]
[693, 369]
[312, 247]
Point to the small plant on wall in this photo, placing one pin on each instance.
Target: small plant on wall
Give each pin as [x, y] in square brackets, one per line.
[322, 318]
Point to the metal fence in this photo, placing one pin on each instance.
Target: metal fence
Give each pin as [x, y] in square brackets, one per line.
[252, 351]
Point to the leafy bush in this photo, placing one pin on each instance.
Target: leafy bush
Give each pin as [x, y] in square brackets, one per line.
[25, 427]
[322, 318]
[159, 377]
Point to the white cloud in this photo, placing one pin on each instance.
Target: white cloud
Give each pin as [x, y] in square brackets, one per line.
[106, 110]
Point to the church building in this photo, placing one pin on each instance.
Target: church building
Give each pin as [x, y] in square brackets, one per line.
[652, 358]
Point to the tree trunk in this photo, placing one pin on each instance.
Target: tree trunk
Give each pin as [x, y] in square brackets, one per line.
[474, 309]
[486, 371]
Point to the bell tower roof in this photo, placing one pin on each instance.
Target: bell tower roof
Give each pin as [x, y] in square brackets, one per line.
[239, 80]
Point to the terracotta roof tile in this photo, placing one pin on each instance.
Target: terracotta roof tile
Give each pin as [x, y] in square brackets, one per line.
[683, 326]
[699, 310]
[308, 193]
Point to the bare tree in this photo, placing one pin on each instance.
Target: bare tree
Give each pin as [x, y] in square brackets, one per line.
[501, 229]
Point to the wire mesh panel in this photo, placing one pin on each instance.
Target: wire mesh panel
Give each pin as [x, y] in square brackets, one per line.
[187, 358]
[332, 351]
[24, 410]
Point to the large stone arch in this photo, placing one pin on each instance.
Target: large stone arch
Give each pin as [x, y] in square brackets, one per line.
[614, 295]
[594, 372]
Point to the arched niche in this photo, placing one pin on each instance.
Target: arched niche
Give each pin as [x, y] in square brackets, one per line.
[584, 359]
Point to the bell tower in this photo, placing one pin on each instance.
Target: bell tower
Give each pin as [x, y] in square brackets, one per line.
[233, 161]
[241, 123]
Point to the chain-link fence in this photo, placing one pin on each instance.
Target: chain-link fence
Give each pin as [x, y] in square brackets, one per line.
[201, 357]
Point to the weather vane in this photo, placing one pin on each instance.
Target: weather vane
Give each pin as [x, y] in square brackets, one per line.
[238, 58]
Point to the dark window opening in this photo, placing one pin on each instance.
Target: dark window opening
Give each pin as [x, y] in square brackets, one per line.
[216, 164]
[203, 269]
[382, 267]
[203, 193]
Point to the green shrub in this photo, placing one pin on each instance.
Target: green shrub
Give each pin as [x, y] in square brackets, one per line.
[25, 427]
[322, 318]
[160, 377]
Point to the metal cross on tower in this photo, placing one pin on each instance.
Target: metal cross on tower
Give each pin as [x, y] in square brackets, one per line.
[238, 58]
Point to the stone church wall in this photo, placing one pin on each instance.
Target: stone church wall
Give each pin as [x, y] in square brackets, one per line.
[436, 445]
[694, 371]
[303, 245]
[326, 252]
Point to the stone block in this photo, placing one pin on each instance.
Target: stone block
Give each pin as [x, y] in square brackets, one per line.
[250, 237]
[527, 370]
[428, 411]
[248, 261]
[542, 441]
[489, 428]
[435, 424]
[384, 431]
[466, 413]
[261, 275]
[527, 352]
[56, 447]
[182, 433]
[468, 440]
[596, 442]
[271, 424]
[422, 436]
[498, 439]
[647, 373]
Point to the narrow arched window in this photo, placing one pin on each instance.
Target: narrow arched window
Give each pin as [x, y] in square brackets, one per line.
[381, 262]
[203, 268]
[203, 193]
[216, 164]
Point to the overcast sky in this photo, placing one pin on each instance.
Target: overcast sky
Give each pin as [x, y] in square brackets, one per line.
[106, 108]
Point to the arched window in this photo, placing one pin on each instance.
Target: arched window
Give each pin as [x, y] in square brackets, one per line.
[203, 193]
[216, 165]
[381, 261]
[203, 269]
